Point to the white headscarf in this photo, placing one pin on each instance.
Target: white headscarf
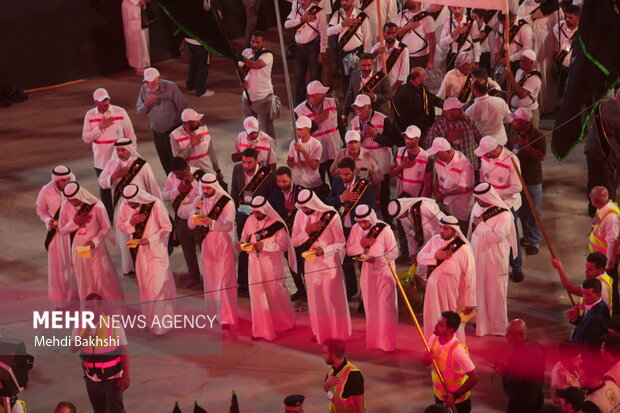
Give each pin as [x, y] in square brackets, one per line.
[363, 211]
[128, 145]
[62, 172]
[486, 193]
[453, 222]
[402, 205]
[211, 181]
[73, 190]
[260, 204]
[133, 193]
[463, 58]
[307, 198]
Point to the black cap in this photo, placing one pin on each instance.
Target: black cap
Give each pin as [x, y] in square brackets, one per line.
[294, 400]
[573, 395]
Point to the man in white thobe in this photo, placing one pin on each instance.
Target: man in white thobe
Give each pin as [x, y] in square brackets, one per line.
[136, 38]
[270, 301]
[146, 218]
[420, 220]
[451, 275]
[215, 219]
[125, 167]
[61, 282]
[318, 230]
[373, 241]
[492, 235]
[84, 218]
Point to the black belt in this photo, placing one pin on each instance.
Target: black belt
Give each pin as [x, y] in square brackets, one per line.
[308, 45]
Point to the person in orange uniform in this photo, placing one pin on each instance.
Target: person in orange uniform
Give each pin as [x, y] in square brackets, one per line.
[344, 382]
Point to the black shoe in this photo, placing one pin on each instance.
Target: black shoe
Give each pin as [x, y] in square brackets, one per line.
[130, 274]
[299, 295]
[243, 293]
[531, 250]
[524, 242]
[360, 308]
[516, 276]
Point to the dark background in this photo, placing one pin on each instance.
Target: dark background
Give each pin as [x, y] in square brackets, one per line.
[46, 42]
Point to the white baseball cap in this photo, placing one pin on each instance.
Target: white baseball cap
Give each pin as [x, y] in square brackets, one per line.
[412, 132]
[303, 122]
[190, 115]
[522, 113]
[316, 88]
[100, 95]
[439, 145]
[250, 124]
[150, 74]
[486, 145]
[352, 135]
[452, 103]
[361, 100]
[530, 54]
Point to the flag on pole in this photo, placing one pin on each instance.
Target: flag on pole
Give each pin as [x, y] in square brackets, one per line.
[234, 404]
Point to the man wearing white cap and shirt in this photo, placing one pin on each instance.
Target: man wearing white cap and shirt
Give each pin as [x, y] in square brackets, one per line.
[374, 241]
[420, 220]
[127, 167]
[451, 275]
[84, 219]
[454, 181]
[411, 166]
[216, 222]
[303, 158]
[497, 168]
[193, 142]
[460, 130]
[520, 35]
[145, 217]
[526, 86]
[253, 137]
[318, 228]
[323, 112]
[372, 127]
[365, 163]
[493, 236]
[61, 283]
[103, 125]
[457, 83]
[490, 112]
[270, 302]
[162, 102]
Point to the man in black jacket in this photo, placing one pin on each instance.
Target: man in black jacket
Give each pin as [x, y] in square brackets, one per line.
[591, 321]
[415, 105]
[363, 81]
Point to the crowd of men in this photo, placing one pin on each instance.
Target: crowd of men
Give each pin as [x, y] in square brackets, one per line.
[461, 181]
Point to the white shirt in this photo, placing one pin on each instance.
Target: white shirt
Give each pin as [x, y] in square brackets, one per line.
[452, 84]
[522, 41]
[200, 156]
[411, 180]
[309, 31]
[327, 131]
[491, 113]
[416, 39]
[382, 154]
[486, 43]
[400, 70]
[103, 140]
[361, 36]
[500, 173]
[532, 85]
[565, 40]
[459, 172]
[264, 144]
[304, 175]
[449, 43]
[258, 80]
[171, 191]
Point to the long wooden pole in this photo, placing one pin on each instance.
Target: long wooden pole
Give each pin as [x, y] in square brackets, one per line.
[507, 41]
[537, 217]
[417, 324]
[391, 110]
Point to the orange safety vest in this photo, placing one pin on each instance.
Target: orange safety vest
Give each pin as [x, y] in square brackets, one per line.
[445, 361]
[337, 403]
[597, 237]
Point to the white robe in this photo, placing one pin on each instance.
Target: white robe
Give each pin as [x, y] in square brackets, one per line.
[270, 301]
[218, 261]
[61, 282]
[95, 274]
[145, 180]
[452, 284]
[136, 38]
[389, 13]
[491, 244]
[431, 214]
[327, 299]
[153, 270]
[378, 287]
[544, 44]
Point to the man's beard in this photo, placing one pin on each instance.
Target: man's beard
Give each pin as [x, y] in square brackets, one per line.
[309, 212]
[192, 127]
[286, 188]
[261, 218]
[390, 41]
[208, 195]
